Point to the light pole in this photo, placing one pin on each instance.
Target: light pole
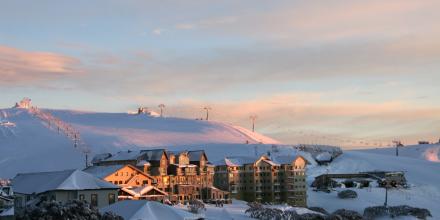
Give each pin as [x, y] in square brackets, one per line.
[253, 118]
[207, 108]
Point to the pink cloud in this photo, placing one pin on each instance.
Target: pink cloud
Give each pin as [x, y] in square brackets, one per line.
[283, 116]
[21, 67]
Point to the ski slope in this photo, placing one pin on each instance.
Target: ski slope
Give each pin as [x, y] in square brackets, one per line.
[43, 140]
[120, 129]
[430, 152]
[31, 146]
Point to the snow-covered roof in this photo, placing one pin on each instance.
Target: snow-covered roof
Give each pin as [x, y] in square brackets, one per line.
[29, 183]
[184, 165]
[152, 155]
[124, 155]
[143, 163]
[324, 156]
[103, 171]
[8, 212]
[142, 190]
[176, 152]
[285, 159]
[195, 155]
[5, 198]
[272, 163]
[147, 155]
[147, 210]
[236, 161]
[100, 157]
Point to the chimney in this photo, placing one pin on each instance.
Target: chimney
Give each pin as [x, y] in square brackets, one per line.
[147, 168]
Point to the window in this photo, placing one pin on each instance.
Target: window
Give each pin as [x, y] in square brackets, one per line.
[82, 197]
[111, 198]
[145, 182]
[94, 200]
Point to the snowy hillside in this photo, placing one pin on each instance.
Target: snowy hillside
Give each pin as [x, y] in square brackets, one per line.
[30, 146]
[35, 140]
[119, 129]
[423, 177]
[430, 152]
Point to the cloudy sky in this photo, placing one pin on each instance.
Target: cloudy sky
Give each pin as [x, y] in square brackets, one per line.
[340, 72]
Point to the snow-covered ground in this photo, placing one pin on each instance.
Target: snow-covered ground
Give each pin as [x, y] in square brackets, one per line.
[236, 211]
[422, 175]
[227, 212]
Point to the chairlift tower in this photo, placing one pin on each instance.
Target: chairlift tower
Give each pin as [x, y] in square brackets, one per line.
[207, 108]
[253, 118]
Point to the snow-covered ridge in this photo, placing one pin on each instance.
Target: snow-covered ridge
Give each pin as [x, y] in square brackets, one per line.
[429, 152]
[142, 130]
[44, 139]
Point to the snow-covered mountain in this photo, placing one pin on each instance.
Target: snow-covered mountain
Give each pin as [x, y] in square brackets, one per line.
[34, 139]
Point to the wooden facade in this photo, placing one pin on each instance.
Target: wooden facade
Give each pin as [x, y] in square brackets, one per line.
[182, 175]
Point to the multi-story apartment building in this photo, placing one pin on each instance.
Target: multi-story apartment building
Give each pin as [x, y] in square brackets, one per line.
[183, 175]
[279, 179]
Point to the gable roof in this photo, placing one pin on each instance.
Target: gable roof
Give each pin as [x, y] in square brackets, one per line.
[29, 183]
[236, 161]
[147, 210]
[123, 155]
[287, 159]
[142, 190]
[99, 157]
[196, 155]
[103, 171]
[153, 155]
[147, 155]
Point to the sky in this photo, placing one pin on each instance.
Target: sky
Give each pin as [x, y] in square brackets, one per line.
[352, 73]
